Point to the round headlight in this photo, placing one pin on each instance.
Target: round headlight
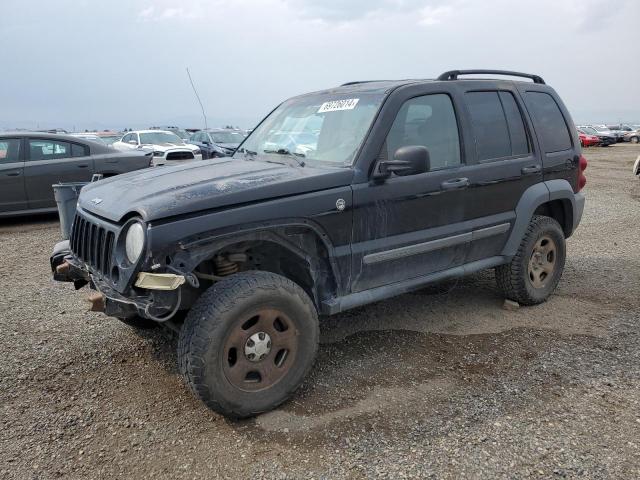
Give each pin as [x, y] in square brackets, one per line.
[134, 242]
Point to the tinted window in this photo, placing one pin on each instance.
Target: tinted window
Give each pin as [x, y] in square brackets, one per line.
[489, 125]
[9, 150]
[79, 150]
[549, 121]
[48, 149]
[517, 131]
[429, 121]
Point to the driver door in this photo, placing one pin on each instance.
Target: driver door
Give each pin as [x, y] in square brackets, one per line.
[410, 226]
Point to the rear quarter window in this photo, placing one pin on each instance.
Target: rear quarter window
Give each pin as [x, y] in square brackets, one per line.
[79, 150]
[549, 122]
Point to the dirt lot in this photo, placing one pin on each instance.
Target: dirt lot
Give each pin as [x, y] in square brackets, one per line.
[439, 383]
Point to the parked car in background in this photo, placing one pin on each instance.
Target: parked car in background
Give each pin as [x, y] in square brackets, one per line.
[89, 136]
[30, 162]
[109, 137]
[632, 136]
[167, 147]
[618, 134]
[606, 139]
[602, 130]
[183, 134]
[217, 142]
[587, 140]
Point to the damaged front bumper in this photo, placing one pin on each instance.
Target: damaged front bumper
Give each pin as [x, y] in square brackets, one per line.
[155, 295]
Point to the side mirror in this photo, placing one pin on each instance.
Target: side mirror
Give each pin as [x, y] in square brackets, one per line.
[409, 160]
[206, 142]
[132, 142]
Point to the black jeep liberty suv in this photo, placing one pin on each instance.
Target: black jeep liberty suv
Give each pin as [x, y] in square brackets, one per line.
[338, 198]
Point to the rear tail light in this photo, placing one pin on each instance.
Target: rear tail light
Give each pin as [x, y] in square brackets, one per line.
[582, 179]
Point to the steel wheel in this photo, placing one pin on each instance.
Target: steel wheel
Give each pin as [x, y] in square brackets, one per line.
[542, 262]
[260, 350]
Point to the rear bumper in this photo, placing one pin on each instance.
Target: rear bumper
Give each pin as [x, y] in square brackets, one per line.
[578, 209]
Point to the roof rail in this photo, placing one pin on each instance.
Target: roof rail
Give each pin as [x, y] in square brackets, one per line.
[357, 82]
[453, 74]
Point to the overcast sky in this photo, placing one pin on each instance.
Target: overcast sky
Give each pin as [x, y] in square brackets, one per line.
[121, 63]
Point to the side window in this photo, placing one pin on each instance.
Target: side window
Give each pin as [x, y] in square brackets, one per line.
[489, 125]
[9, 150]
[79, 150]
[519, 139]
[429, 121]
[550, 124]
[127, 137]
[48, 149]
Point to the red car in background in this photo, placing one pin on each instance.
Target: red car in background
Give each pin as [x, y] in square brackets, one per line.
[587, 140]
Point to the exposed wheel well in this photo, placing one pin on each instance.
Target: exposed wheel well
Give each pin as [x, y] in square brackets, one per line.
[304, 262]
[561, 211]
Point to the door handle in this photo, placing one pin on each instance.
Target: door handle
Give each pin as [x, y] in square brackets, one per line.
[528, 170]
[83, 166]
[13, 174]
[455, 184]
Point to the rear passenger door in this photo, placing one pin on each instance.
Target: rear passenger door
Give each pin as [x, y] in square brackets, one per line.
[551, 120]
[505, 163]
[51, 161]
[12, 192]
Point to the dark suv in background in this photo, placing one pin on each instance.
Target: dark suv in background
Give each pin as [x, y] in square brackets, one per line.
[398, 184]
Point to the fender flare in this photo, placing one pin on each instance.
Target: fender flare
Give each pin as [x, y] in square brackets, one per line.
[535, 196]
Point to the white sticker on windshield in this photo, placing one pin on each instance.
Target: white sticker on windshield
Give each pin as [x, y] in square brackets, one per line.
[335, 105]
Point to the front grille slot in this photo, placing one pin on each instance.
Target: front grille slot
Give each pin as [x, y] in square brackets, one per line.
[92, 243]
[180, 156]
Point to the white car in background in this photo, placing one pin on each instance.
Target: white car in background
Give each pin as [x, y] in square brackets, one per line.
[167, 147]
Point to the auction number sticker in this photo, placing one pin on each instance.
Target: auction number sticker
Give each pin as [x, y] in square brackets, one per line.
[335, 105]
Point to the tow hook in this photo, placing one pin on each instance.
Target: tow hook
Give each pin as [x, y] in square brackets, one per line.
[63, 268]
[97, 302]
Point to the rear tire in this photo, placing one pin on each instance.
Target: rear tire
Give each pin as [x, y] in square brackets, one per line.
[634, 139]
[248, 343]
[535, 270]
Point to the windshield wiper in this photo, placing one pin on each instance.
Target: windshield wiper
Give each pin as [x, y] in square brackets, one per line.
[286, 151]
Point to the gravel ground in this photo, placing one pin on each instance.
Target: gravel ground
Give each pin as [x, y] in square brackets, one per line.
[440, 383]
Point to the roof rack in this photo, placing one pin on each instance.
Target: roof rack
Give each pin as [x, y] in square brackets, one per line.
[454, 74]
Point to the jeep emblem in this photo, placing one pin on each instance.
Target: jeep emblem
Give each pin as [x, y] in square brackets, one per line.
[340, 204]
[96, 200]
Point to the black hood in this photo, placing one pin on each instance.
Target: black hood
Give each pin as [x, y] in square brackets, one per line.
[161, 192]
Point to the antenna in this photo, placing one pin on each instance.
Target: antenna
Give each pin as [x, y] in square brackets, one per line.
[204, 115]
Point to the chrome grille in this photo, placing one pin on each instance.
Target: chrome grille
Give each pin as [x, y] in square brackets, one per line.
[93, 244]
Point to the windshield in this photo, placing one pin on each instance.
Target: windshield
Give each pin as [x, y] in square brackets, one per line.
[589, 130]
[326, 128]
[157, 138]
[227, 137]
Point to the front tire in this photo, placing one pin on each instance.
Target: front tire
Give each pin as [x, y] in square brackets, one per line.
[248, 343]
[535, 270]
